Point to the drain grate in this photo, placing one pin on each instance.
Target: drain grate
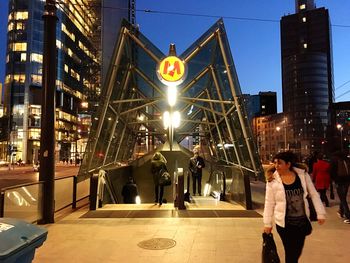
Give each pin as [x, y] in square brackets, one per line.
[157, 243]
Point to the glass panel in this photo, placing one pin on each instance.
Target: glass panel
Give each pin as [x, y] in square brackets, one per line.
[24, 202]
[63, 192]
[83, 189]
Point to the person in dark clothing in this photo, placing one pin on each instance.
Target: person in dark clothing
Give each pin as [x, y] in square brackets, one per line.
[311, 161]
[130, 192]
[340, 174]
[158, 164]
[196, 165]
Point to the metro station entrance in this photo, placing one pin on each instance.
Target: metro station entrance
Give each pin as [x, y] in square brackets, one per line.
[172, 104]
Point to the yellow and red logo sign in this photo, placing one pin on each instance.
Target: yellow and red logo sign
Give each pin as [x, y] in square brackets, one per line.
[171, 70]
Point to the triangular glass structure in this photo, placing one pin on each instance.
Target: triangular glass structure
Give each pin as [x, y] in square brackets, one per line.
[209, 100]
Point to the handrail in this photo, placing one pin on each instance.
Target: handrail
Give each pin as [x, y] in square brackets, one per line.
[64, 177]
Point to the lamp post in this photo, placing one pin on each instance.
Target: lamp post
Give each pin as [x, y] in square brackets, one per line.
[340, 128]
[285, 133]
[171, 71]
[47, 136]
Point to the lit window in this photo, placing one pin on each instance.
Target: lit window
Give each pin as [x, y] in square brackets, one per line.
[303, 6]
[35, 57]
[18, 15]
[20, 26]
[19, 78]
[304, 19]
[81, 45]
[36, 79]
[66, 69]
[75, 75]
[70, 52]
[34, 133]
[23, 57]
[58, 44]
[11, 26]
[263, 106]
[7, 79]
[19, 47]
[305, 45]
[65, 30]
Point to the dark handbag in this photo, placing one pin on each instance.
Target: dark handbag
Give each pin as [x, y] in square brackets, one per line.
[164, 178]
[307, 227]
[269, 250]
[313, 214]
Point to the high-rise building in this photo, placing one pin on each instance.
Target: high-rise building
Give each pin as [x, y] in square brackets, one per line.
[341, 127]
[307, 74]
[265, 103]
[79, 40]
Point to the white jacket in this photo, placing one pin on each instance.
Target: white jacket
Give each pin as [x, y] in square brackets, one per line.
[275, 199]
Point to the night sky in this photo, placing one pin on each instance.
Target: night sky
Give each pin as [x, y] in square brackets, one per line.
[255, 45]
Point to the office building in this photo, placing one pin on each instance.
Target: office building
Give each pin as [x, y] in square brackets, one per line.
[80, 35]
[341, 128]
[272, 135]
[265, 103]
[307, 75]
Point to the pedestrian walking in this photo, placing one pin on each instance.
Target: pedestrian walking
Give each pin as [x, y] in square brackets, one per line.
[340, 174]
[286, 204]
[321, 177]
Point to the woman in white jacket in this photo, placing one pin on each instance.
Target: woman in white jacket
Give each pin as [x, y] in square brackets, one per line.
[286, 204]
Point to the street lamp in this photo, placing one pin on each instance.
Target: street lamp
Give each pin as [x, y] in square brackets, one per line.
[340, 128]
[285, 134]
[171, 120]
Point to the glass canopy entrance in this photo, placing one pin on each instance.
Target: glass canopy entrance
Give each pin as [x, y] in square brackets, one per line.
[128, 126]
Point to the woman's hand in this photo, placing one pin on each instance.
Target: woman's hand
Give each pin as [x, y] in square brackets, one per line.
[321, 221]
[267, 229]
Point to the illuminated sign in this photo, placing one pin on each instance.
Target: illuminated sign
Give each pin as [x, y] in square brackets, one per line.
[171, 71]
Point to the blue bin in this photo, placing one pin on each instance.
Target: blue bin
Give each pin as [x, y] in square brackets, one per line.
[19, 239]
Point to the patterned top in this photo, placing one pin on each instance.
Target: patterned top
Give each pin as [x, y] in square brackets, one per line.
[295, 213]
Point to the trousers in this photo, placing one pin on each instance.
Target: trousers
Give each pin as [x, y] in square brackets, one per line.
[197, 180]
[158, 191]
[293, 239]
[342, 190]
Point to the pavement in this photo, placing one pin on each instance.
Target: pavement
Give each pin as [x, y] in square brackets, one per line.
[26, 174]
[74, 238]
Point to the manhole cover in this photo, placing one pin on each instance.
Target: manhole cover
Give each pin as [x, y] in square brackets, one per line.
[157, 243]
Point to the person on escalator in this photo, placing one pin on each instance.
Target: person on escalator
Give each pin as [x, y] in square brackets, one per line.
[196, 165]
[158, 164]
[130, 192]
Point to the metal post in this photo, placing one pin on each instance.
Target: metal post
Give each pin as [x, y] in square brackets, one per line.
[341, 139]
[74, 198]
[285, 134]
[47, 138]
[2, 204]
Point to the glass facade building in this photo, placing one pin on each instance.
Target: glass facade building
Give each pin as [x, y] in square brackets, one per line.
[307, 75]
[79, 57]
